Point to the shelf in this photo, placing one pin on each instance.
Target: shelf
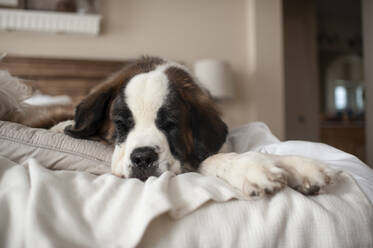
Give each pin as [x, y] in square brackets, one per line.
[44, 21]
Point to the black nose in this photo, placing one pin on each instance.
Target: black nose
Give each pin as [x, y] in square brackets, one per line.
[144, 157]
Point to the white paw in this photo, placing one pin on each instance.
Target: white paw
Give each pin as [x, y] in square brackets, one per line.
[60, 127]
[307, 176]
[254, 174]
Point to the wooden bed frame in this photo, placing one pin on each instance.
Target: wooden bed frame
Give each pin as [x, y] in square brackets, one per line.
[52, 76]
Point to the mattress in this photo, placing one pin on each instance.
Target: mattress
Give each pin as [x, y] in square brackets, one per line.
[56, 191]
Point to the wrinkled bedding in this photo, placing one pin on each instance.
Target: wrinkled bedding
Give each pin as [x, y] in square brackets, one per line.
[40, 207]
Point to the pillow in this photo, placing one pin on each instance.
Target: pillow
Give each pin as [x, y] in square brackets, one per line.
[55, 151]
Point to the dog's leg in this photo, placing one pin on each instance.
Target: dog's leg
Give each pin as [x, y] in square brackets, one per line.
[257, 174]
[45, 116]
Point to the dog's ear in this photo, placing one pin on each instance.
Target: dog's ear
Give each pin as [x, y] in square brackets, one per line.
[91, 114]
[209, 132]
[206, 132]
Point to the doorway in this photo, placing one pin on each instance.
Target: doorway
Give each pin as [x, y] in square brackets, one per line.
[325, 91]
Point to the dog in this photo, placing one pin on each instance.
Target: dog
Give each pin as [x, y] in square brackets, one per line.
[159, 119]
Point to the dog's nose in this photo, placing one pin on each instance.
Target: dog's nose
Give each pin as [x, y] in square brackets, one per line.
[144, 157]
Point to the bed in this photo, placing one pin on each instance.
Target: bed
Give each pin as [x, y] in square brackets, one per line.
[55, 191]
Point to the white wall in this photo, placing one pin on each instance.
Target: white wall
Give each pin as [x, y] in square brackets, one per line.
[367, 10]
[268, 63]
[246, 33]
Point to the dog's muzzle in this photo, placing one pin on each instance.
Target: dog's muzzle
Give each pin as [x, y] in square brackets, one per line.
[144, 161]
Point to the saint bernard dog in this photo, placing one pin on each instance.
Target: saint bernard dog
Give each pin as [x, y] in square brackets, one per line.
[160, 120]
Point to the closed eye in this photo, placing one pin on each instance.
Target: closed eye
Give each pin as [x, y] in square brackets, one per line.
[167, 119]
[169, 124]
[123, 122]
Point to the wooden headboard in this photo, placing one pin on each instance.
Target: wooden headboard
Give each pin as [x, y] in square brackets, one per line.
[72, 77]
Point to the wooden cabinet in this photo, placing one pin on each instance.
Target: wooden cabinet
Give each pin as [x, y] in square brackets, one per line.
[346, 136]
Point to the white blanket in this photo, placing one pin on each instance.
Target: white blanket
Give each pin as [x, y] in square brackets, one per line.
[44, 208]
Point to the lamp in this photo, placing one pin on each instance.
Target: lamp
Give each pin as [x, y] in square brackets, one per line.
[215, 76]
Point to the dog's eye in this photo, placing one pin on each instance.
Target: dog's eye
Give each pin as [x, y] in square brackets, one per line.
[169, 124]
[124, 122]
[167, 119]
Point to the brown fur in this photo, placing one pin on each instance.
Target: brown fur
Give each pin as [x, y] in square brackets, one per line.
[41, 116]
[47, 116]
[14, 92]
[194, 97]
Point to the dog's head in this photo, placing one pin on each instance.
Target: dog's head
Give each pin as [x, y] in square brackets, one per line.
[157, 116]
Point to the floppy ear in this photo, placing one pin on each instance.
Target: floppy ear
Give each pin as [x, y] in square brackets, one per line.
[91, 114]
[208, 130]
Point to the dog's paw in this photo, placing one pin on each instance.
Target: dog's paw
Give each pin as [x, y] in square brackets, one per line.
[254, 174]
[60, 127]
[307, 176]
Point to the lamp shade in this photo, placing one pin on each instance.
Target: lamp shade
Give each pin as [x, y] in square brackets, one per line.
[215, 76]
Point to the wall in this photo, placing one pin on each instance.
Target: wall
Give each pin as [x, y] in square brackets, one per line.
[185, 31]
[266, 60]
[367, 8]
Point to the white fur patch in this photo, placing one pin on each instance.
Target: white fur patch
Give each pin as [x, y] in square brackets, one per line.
[145, 94]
